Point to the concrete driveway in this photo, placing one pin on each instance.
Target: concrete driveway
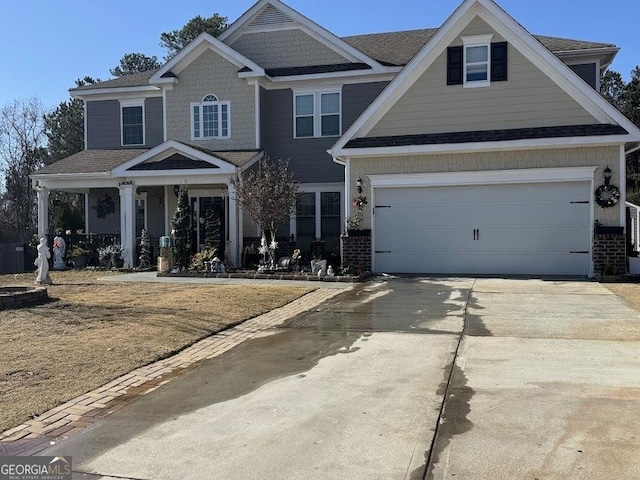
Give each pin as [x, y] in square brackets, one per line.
[397, 379]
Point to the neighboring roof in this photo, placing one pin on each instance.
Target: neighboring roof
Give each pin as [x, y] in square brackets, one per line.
[134, 80]
[397, 48]
[91, 161]
[340, 67]
[487, 136]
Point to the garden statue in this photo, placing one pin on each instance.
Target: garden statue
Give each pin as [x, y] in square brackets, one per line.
[330, 272]
[59, 249]
[42, 262]
[217, 266]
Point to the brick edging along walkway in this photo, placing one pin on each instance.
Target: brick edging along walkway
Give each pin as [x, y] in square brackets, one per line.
[73, 416]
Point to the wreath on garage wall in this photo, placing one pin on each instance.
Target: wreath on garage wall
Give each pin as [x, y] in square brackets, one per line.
[607, 196]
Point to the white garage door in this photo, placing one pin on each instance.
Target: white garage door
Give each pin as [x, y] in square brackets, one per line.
[535, 229]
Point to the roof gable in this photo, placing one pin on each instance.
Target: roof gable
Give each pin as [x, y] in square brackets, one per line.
[171, 156]
[517, 37]
[197, 47]
[274, 15]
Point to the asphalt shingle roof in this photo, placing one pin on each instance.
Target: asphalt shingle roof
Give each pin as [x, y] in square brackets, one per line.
[91, 161]
[102, 161]
[487, 136]
[391, 48]
[398, 48]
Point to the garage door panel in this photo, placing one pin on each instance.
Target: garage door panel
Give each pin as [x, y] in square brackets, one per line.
[523, 229]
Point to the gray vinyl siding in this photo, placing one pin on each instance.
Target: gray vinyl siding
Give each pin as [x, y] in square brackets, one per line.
[154, 134]
[103, 124]
[588, 72]
[111, 222]
[308, 157]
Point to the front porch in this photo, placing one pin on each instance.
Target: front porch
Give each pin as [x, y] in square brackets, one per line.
[139, 192]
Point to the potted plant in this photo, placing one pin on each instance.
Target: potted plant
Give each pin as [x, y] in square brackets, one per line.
[353, 223]
[79, 256]
[111, 256]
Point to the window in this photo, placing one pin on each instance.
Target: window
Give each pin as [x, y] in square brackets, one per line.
[132, 120]
[306, 216]
[141, 213]
[317, 114]
[210, 119]
[477, 60]
[330, 224]
[478, 63]
[318, 215]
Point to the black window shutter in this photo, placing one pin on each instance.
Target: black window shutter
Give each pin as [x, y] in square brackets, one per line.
[454, 66]
[499, 62]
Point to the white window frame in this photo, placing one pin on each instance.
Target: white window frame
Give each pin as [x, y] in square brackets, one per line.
[203, 103]
[317, 111]
[477, 41]
[132, 103]
[143, 197]
[318, 189]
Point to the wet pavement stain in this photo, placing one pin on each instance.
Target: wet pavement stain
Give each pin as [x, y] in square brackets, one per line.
[475, 326]
[454, 420]
[237, 372]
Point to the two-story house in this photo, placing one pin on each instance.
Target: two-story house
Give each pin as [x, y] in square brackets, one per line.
[477, 144]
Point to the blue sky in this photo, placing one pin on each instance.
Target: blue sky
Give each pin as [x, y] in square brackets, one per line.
[50, 43]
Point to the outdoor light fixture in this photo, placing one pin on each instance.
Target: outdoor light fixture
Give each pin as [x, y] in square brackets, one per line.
[176, 190]
[359, 184]
[607, 175]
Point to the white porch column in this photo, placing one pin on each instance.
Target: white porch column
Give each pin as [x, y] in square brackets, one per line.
[43, 211]
[233, 226]
[127, 221]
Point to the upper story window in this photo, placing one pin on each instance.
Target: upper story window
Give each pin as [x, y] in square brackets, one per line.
[132, 121]
[477, 63]
[477, 58]
[210, 118]
[317, 114]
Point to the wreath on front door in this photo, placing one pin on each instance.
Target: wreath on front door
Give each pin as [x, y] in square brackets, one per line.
[607, 196]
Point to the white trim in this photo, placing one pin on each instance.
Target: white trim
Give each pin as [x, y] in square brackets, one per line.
[164, 114]
[317, 94]
[199, 45]
[514, 34]
[623, 186]
[141, 197]
[116, 93]
[528, 144]
[169, 147]
[315, 80]
[489, 177]
[257, 113]
[471, 42]
[129, 103]
[86, 134]
[632, 150]
[314, 30]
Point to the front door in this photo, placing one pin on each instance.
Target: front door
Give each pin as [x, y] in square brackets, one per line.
[199, 208]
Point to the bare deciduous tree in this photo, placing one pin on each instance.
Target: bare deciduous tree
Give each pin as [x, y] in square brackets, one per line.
[22, 152]
[268, 196]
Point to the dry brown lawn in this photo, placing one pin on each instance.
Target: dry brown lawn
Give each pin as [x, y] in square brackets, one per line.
[94, 331]
[629, 292]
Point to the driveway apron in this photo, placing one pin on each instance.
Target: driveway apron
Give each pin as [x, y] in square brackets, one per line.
[350, 390]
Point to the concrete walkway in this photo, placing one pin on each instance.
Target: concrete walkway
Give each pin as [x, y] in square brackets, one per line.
[506, 379]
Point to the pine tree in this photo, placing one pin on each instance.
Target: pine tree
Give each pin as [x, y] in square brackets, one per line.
[181, 225]
[145, 250]
[212, 231]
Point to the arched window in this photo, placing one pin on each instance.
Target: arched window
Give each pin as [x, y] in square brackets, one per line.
[210, 118]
